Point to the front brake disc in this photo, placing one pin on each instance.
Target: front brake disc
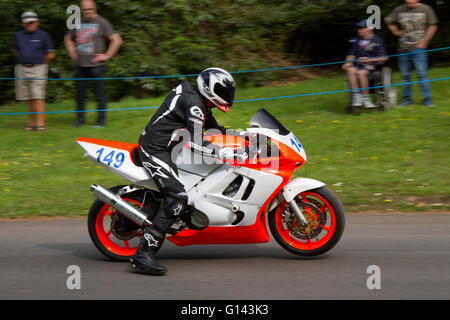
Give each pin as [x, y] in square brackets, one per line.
[316, 219]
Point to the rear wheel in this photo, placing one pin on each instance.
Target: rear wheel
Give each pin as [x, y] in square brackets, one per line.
[114, 235]
[325, 215]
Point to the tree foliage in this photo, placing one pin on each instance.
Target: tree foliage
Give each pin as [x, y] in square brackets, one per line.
[168, 37]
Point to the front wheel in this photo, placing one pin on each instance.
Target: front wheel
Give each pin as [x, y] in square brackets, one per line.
[325, 215]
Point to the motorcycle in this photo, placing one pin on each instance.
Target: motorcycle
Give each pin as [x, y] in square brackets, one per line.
[230, 201]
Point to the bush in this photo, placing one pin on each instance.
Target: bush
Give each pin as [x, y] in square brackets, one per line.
[171, 37]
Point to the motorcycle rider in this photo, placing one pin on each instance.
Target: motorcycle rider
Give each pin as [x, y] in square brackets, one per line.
[188, 107]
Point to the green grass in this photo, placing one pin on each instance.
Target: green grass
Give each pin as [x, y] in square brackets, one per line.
[375, 161]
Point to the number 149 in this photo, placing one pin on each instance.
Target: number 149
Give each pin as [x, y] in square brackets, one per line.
[109, 159]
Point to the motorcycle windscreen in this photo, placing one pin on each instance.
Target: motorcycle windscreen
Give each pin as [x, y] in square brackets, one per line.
[263, 119]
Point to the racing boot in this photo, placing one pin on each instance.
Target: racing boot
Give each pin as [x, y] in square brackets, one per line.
[143, 261]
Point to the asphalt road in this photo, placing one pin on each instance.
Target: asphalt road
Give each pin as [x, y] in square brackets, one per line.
[410, 251]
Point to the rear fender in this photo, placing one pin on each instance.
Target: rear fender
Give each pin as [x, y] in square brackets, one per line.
[293, 188]
[117, 158]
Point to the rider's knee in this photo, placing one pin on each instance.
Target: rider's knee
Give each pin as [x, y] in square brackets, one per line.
[176, 207]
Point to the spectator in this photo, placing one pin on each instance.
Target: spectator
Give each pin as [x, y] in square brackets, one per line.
[415, 25]
[368, 51]
[33, 50]
[86, 46]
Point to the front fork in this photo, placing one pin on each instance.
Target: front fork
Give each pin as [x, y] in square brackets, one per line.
[290, 199]
[298, 213]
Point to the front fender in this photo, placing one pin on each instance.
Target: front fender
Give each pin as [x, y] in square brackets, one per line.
[293, 188]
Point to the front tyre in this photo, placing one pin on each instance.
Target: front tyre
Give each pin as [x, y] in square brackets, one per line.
[325, 215]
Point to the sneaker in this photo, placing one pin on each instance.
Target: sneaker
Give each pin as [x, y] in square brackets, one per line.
[357, 100]
[367, 102]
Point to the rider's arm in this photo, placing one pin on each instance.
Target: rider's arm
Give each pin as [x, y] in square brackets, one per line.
[211, 122]
[196, 122]
[195, 118]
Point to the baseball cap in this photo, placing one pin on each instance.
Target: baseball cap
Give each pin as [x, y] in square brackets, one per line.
[362, 24]
[29, 16]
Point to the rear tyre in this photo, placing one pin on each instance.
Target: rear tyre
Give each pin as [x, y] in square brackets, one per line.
[326, 218]
[114, 235]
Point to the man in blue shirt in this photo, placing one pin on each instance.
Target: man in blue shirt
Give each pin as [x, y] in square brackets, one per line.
[33, 50]
[366, 50]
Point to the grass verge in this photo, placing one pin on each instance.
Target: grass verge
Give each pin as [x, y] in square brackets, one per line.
[375, 161]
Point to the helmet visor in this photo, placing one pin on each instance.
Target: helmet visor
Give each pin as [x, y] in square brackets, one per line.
[225, 92]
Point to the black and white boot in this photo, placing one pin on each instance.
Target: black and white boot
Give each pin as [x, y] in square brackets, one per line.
[143, 261]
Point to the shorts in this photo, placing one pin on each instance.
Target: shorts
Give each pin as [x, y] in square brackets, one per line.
[31, 89]
[365, 66]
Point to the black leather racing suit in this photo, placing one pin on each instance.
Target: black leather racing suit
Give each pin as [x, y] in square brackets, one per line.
[184, 107]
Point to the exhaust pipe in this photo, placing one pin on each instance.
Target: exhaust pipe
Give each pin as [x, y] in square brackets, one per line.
[120, 205]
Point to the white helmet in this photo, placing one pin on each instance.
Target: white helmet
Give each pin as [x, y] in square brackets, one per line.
[217, 85]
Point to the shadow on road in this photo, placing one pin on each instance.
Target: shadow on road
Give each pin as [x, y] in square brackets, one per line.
[170, 251]
[79, 250]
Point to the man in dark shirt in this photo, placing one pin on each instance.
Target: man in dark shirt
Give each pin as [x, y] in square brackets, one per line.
[415, 24]
[368, 50]
[87, 47]
[33, 50]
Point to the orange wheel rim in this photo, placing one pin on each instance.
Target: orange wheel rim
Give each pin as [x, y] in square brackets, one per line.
[327, 229]
[107, 238]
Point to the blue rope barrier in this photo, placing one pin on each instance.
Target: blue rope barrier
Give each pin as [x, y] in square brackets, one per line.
[237, 101]
[346, 90]
[338, 62]
[233, 72]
